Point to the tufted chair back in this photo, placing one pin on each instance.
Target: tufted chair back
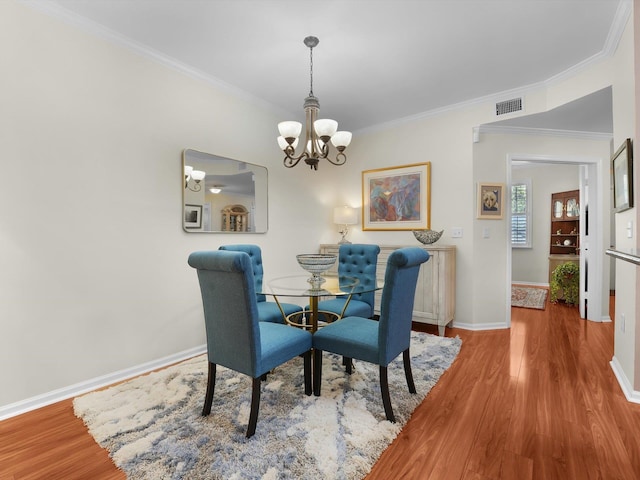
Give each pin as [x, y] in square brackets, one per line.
[359, 260]
[255, 254]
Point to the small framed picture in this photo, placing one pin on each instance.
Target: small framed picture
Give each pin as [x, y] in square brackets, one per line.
[622, 168]
[491, 201]
[192, 216]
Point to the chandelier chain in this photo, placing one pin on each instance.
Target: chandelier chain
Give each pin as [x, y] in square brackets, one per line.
[311, 71]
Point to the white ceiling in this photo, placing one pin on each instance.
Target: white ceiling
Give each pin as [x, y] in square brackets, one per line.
[377, 61]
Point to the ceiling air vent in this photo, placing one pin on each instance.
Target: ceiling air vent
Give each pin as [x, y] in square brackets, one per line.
[509, 106]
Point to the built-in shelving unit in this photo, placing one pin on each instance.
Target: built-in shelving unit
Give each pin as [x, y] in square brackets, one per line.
[235, 218]
[565, 223]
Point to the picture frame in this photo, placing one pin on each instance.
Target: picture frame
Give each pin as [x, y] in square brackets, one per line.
[622, 172]
[397, 198]
[192, 216]
[490, 201]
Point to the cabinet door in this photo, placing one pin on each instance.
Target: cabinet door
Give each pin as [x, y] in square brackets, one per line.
[557, 208]
[572, 207]
[425, 304]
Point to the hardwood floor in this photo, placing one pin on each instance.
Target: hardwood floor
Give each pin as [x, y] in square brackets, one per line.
[538, 401]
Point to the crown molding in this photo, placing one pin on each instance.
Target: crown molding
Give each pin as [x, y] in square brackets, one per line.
[548, 132]
[615, 33]
[621, 17]
[94, 28]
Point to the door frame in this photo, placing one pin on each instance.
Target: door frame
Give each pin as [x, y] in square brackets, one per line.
[596, 271]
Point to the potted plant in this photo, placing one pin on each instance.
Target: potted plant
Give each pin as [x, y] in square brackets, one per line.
[566, 278]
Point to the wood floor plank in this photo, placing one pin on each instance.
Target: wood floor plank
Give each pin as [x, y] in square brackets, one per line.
[538, 401]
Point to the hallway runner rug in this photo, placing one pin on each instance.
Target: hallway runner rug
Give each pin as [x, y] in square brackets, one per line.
[528, 297]
[153, 429]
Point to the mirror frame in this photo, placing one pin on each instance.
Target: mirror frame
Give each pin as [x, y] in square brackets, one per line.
[240, 212]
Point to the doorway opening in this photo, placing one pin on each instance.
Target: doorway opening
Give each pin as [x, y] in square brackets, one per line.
[591, 243]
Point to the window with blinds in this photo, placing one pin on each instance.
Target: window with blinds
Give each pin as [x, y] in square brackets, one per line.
[521, 214]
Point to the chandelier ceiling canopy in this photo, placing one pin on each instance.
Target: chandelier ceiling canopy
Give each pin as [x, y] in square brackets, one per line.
[318, 132]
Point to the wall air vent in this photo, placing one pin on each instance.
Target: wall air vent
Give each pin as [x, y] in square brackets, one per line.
[509, 106]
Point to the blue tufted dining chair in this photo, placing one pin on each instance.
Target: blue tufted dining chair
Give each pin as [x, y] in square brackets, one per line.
[236, 339]
[378, 342]
[267, 311]
[355, 260]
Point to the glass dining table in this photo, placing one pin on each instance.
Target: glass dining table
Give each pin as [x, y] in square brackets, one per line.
[310, 317]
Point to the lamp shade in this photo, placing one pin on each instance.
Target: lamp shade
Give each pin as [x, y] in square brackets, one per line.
[198, 175]
[283, 144]
[345, 215]
[325, 127]
[341, 139]
[290, 129]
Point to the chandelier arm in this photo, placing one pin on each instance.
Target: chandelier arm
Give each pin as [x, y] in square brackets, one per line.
[341, 159]
[290, 162]
[324, 149]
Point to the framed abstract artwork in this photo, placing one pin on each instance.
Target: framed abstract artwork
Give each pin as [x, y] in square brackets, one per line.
[192, 216]
[491, 201]
[397, 198]
[622, 168]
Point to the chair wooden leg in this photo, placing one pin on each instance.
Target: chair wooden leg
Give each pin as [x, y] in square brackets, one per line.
[255, 406]
[317, 371]
[307, 372]
[386, 400]
[211, 383]
[348, 364]
[407, 371]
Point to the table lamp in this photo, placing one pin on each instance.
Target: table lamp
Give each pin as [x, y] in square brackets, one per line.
[345, 216]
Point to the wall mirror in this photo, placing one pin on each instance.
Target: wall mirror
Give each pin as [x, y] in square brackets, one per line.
[223, 195]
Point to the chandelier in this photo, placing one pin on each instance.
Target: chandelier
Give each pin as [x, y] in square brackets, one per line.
[318, 132]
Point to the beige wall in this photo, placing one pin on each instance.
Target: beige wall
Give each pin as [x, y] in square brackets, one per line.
[626, 343]
[93, 258]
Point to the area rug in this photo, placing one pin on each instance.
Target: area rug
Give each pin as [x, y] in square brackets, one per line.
[528, 297]
[153, 429]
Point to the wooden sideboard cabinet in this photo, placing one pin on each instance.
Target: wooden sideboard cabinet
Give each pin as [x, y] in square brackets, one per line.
[435, 299]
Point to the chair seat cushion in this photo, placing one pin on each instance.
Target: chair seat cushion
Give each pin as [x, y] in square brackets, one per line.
[280, 343]
[353, 337]
[269, 311]
[356, 308]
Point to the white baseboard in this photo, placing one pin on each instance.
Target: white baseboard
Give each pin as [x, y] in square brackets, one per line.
[480, 327]
[23, 406]
[626, 386]
[530, 284]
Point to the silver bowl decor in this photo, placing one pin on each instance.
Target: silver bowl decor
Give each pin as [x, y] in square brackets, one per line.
[427, 236]
[316, 264]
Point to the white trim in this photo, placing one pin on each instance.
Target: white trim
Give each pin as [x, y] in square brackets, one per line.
[93, 28]
[23, 406]
[529, 284]
[479, 327]
[547, 132]
[615, 33]
[631, 394]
